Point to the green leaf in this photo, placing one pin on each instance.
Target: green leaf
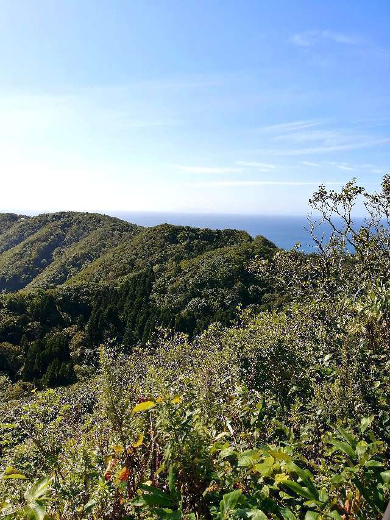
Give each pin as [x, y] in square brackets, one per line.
[313, 503]
[138, 501]
[287, 514]
[152, 490]
[34, 511]
[386, 477]
[157, 500]
[229, 502]
[311, 515]
[371, 495]
[294, 486]
[256, 514]
[344, 447]
[304, 474]
[306, 477]
[167, 513]
[227, 452]
[361, 448]
[38, 490]
[249, 458]
[338, 479]
[89, 506]
[335, 514]
[280, 477]
[372, 463]
[263, 468]
[323, 496]
[365, 423]
[172, 481]
[139, 441]
[347, 436]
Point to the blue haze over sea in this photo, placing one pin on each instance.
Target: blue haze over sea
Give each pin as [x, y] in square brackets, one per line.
[284, 231]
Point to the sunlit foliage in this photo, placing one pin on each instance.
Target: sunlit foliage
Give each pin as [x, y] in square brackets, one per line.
[283, 414]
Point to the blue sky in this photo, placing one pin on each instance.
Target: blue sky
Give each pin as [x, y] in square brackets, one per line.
[195, 105]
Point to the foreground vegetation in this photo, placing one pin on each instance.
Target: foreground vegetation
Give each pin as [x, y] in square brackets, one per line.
[284, 413]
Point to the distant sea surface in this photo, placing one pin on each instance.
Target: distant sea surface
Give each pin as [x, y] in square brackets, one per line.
[284, 231]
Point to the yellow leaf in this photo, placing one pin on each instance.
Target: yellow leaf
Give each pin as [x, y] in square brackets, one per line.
[118, 449]
[159, 399]
[280, 477]
[139, 441]
[141, 407]
[263, 469]
[176, 400]
[280, 455]
[11, 472]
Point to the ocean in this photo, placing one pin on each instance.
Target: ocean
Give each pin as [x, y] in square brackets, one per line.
[284, 231]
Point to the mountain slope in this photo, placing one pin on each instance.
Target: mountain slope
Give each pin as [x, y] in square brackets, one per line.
[72, 281]
[45, 250]
[156, 246]
[7, 220]
[52, 249]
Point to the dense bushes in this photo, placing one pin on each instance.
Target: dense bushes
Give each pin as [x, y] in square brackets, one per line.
[284, 414]
[215, 428]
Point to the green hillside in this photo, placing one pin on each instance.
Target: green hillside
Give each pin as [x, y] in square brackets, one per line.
[159, 245]
[191, 374]
[7, 220]
[71, 281]
[46, 250]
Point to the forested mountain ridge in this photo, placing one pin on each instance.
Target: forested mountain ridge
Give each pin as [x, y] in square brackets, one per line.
[9, 219]
[73, 280]
[162, 244]
[45, 250]
[51, 249]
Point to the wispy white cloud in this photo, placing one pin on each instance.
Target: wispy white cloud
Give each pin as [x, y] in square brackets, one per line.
[344, 167]
[310, 38]
[259, 183]
[343, 38]
[139, 123]
[262, 166]
[326, 148]
[290, 127]
[307, 163]
[358, 167]
[373, 120]
[208, 169]
[329, 136]
[185, 82]
[305, 39]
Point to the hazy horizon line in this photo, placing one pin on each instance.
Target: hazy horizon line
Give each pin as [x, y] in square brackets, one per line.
[116, 213]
